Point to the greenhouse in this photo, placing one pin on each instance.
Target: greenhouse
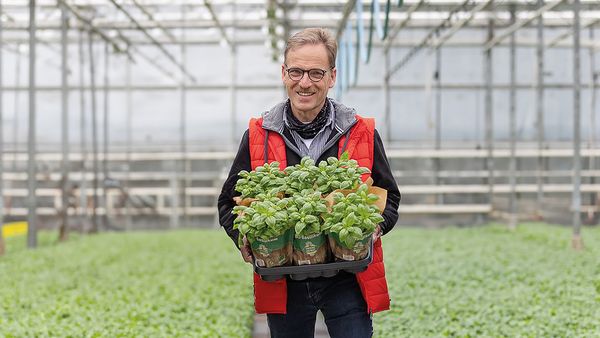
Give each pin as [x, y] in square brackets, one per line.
[140, 155]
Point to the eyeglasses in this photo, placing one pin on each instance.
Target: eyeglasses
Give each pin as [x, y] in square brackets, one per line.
[315, 74]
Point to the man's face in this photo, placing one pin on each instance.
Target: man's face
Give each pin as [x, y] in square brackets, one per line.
[306, 96]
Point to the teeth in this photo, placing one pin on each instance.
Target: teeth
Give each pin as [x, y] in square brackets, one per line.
[304, 94]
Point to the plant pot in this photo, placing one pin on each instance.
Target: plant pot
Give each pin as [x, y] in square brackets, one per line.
[310, 249]
[359, 250]
[276, 251]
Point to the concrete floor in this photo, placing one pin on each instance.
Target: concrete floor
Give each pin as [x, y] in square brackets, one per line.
[261, 329]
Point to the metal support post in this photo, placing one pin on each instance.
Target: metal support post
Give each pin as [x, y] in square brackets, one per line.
[105, 175]
[540, 111]
[94, 134]
[174, 219]
[1, 144]
[512, 223]
[577, 242]
[387, 97]
[593, 128]
[64, 226]
[489, 117]
[438, 119]
[128, 142]
[233, 92]
[31, 172]
[233, 95]
[83, 137]
[16, 106]
[180, 168]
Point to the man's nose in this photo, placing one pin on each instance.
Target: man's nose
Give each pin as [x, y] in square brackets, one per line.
[305, 80]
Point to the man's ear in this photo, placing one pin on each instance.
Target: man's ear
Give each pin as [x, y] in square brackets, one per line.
[282, 72]
[333, 77]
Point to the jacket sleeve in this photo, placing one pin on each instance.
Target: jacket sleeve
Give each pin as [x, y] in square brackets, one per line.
[382, 177]
[225, 203]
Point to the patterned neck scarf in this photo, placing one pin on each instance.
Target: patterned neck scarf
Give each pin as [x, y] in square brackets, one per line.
[307, 130]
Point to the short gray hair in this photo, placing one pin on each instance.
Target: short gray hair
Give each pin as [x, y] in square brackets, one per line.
[313, 36]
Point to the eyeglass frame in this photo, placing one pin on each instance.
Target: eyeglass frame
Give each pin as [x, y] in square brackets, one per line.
[307, 71]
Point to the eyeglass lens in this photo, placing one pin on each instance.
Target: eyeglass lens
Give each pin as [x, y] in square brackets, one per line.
[313, 74]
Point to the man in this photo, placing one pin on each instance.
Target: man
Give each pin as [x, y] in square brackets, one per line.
[310, 124]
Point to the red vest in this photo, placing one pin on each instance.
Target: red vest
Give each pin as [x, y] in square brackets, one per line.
[271, 297]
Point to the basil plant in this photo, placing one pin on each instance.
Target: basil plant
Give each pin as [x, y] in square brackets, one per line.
[338, 174]
[301, 177]
[264, 219]
[305, 212]
[267, 178]
[353, 217]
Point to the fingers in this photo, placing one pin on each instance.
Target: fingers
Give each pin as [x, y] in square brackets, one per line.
[247, 254]
[377, 233]
[246, 251]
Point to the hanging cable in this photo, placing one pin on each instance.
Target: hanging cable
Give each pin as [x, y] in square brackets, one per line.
[351, 55]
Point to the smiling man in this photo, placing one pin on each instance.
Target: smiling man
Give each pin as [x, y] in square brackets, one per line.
[309, 123]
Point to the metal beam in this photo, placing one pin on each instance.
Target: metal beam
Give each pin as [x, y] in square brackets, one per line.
[397, 27]
[41, 41]
[131, 47]
[569, 32]
[428, 38]
[274, 86]
[103, 23]
[151, 18]
[215, 19]
[113, 42]
[154, 41]
[461, 24]
[519, 24]
[407, 42]
[90, 26]
[314, 4]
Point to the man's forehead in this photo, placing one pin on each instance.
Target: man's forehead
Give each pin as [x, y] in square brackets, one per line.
[310, 56]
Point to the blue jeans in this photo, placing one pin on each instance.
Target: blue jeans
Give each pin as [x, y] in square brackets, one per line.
[339, 299]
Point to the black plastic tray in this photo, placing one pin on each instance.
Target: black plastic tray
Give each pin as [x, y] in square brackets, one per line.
[301, 272]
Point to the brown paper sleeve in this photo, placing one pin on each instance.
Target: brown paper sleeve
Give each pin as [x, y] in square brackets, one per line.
[245, 202]
[382, 194]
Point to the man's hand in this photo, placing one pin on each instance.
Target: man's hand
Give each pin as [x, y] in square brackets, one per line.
[246, 251]
[377, 233]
